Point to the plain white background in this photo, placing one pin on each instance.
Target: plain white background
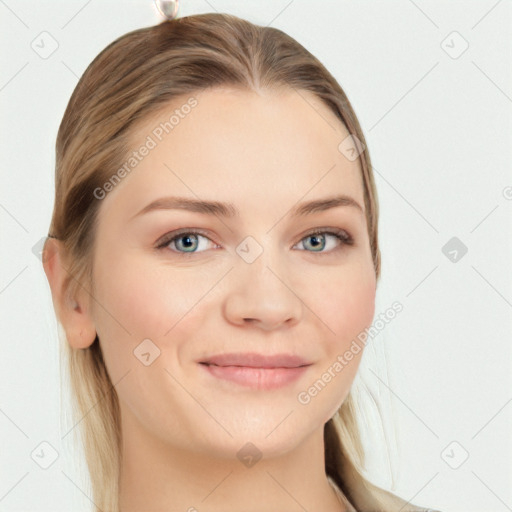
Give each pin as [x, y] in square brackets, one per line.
[437, 117]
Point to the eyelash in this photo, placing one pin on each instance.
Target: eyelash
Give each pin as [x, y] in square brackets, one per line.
[342, 236]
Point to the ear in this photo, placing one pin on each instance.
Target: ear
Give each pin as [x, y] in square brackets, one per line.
[72, 312]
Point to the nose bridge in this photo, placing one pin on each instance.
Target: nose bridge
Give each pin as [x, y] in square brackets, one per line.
[258, 252]
[263, 261]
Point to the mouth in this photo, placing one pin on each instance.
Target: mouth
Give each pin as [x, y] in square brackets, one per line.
[255, 360]
[256, 371]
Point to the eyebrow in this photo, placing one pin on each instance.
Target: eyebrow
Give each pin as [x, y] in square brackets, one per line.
[228, 210]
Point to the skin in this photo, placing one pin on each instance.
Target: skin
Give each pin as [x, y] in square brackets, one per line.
[182, 428]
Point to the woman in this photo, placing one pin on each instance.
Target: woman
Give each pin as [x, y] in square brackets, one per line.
[213, 258]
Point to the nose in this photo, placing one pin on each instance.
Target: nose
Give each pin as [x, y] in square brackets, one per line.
[263, 296]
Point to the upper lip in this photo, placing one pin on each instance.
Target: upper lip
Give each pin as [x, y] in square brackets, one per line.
[255, 360]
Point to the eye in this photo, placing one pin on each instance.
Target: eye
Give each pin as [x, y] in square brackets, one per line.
[184, 241]
[318, 240]
[187, 241]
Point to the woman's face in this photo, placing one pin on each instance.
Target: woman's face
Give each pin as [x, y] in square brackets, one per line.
[253, 281]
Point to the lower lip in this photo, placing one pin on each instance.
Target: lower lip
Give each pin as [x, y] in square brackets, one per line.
[257, 378]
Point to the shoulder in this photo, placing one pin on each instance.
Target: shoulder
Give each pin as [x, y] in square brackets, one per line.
[377, 500]
[384, 500]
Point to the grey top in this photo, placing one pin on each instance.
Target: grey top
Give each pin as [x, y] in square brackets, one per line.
[350, 508]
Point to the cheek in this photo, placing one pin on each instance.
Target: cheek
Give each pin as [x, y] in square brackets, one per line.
[144, 299]
[347, 305]
[353, 310]
[139, 301]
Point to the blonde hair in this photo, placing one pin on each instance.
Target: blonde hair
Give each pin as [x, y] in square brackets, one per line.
[132, 77]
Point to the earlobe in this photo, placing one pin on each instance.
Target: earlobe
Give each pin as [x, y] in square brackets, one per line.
[72, 312]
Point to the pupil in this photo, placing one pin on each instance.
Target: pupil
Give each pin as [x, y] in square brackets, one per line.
[316, 238]
[188, 242]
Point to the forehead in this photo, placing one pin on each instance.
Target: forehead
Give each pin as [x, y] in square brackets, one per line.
[263, 146]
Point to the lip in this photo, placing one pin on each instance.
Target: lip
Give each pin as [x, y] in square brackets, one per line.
[255, 370]
[255, 360]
